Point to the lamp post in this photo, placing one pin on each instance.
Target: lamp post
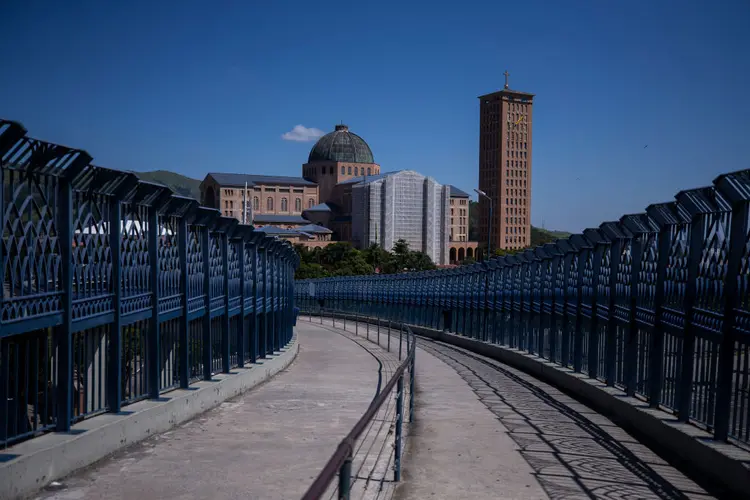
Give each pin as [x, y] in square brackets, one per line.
[489, 223]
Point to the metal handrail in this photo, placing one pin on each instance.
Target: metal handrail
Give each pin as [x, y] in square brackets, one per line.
[341, 461]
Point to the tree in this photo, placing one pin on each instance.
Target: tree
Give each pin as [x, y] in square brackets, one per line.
[341, 259]
[376, 256]
[307, 271]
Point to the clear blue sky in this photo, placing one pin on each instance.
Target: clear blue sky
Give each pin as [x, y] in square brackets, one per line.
[212, 86]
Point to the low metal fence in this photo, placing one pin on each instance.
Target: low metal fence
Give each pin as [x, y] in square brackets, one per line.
[116, 289]
[656, 304]
[380, 331]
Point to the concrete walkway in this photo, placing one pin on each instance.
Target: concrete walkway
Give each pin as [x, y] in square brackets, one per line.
[268, 443]
[456, 447]
[486, 430]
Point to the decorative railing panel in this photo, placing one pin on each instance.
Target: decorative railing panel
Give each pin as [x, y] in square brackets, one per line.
[106, 288]
[170, 276]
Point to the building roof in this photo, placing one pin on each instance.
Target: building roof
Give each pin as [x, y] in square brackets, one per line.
[320, 207]
[314, 229]
[278, 230]
[369, 178]
[457, 193]
[509, 92]
[341, 145]
[224, 179]
[279, 219]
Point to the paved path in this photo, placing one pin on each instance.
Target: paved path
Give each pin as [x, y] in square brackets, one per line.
[269, 443]
[485, 430]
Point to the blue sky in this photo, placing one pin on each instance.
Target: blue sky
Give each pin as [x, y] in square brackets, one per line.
[205, 86]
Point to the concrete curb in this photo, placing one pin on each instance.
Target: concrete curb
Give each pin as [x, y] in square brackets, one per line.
[723, 463]
[35, 463]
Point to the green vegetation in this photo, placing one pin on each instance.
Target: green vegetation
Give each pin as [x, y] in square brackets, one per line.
[341, 259]
[185, 186]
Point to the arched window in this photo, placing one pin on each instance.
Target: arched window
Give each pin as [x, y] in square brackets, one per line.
[269, 203]
[311, 201]
[298, 205]
[356, 170]
[369, 171]
[284, 205]
[349, 170]
[333, 171]
[343, 170]
[256, 203]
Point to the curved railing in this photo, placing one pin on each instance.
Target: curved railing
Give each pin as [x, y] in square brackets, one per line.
[656, 304]
[116, 289]
[340, 463]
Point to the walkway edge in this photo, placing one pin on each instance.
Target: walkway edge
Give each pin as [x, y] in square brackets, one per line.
[723, 463]
[35, 463]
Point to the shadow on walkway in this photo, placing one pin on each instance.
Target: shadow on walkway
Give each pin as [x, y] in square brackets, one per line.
[574, 451]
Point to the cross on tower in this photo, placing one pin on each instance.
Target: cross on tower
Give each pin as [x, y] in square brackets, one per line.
[506, 78]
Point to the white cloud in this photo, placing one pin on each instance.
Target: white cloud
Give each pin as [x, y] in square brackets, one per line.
[300, 133]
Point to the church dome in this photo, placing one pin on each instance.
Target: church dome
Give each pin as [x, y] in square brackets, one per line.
[343, 146]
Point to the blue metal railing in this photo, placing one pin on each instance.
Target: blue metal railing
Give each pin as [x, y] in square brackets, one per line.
[116, 290]
[657, 303]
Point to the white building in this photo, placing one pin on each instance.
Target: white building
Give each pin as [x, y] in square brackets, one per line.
[402, 205]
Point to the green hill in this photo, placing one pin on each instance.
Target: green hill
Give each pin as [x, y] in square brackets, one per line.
[541, 236]
[185, 186]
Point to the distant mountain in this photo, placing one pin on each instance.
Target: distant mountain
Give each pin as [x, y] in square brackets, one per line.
[185, 186]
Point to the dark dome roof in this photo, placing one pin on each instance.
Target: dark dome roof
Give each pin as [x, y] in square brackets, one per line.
[341, 145]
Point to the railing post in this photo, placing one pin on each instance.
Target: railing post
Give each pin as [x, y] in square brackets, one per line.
[378, 319]
[581, 256]
[631, 339]
[389, 335]
[345, 478]
[656, 378]
[554, 297]
[411, 382]
[399, 420]
[243, 320]
[685, 388]
[184, 352]
[565, 344]
[267, 325]
[610, 363]
[255, 325]
[63, 333]
[277, 300]
[593, 355]
[152, 348]
[114, 377]
[207, 354]
[225, 354]
[400, 340]
[729, 336]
